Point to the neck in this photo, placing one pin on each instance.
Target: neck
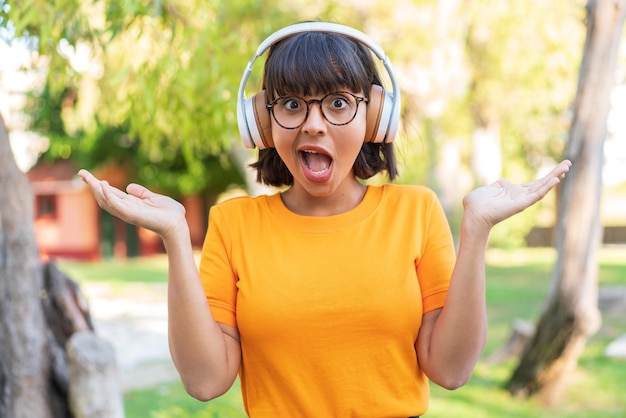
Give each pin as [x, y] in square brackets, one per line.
[301, 202]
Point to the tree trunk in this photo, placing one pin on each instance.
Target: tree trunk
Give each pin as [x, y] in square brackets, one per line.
[24, 366]
[66, 313]
[40, 309]
[571, 314]
[94, 389]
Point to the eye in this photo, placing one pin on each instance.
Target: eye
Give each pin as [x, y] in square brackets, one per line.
[292, 104]
[338, 102]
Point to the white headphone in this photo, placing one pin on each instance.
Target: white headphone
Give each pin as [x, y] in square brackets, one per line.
[383, 108]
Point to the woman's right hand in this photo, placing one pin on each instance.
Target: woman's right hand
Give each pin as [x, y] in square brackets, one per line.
[138, 206]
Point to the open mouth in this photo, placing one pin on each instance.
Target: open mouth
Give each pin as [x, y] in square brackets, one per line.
[316, 162]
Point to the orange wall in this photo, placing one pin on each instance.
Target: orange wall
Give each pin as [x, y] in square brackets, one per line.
[197, 218]
[74, 231]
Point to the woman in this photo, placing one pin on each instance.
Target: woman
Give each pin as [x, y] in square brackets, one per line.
[331, 298]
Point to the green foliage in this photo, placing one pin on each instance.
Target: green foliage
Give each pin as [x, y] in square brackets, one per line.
[157, 82]
[148, 85]
[44, 25]
[512, 232]
[524, 71]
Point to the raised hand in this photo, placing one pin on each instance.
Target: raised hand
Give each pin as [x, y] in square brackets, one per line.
[503, 199]
[138, 206]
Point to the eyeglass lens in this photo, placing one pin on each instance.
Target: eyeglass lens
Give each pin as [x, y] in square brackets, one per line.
[338, 108]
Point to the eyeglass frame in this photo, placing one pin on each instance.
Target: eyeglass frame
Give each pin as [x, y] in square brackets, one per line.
[358, 99]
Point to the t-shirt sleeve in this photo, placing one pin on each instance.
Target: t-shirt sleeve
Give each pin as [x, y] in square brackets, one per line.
[216, 274]
[434, 268]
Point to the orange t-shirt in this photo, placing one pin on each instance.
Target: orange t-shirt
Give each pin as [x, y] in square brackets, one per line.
[329, 308]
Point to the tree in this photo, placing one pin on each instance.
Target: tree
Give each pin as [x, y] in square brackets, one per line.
[40, 310]
[571, 315]
[23, 368]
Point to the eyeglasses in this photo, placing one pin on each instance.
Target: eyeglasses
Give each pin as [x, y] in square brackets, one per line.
[338, 108]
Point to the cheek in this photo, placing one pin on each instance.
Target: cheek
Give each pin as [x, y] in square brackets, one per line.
[355, 134]
[283, 142]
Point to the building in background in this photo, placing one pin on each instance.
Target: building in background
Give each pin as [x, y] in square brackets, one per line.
[66, 215]
[67, 220]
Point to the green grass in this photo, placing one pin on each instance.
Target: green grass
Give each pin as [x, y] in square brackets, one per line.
[171, 401]
[136, 270]
[518, 282]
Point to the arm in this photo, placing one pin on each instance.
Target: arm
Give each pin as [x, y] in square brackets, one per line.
[451, 339]
[206, 353]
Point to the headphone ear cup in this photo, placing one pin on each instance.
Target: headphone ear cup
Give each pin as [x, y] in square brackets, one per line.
[258, 122]
[374, 109]
[263, 121]
[378, 115]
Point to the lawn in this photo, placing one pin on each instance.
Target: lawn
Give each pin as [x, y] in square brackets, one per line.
[518, 282]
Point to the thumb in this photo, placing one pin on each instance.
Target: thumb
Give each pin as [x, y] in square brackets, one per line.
[139, 191]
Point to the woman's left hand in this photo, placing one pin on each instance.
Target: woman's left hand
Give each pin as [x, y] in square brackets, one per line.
[503, 199]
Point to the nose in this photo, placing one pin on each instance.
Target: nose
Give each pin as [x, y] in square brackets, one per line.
[315, 123]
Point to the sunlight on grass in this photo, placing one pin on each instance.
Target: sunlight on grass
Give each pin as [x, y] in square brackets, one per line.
[517, 285]
[612, 265]
[511, 258]
[171, 401]
[151, 269]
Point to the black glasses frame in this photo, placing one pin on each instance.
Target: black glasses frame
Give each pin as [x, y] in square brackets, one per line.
[357, 99]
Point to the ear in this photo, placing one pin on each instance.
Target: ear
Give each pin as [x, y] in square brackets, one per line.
[263, 121]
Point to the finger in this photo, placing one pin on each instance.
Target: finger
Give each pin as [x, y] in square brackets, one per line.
[562, 168]
[112, 194]
[84, 174]
[117, 202]
[547, 185]
[94, 185]
[139, 191]
[89, 178]
[557, 173]
[542, 186]
[501, 183]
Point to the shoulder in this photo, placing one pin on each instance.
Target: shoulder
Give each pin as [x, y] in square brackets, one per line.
[241, 207]
[238, 203]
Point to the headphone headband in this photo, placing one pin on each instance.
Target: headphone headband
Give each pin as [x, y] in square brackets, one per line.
[327, 27]
[246, 119]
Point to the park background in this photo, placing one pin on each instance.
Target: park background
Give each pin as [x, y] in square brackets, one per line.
[145, 91]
